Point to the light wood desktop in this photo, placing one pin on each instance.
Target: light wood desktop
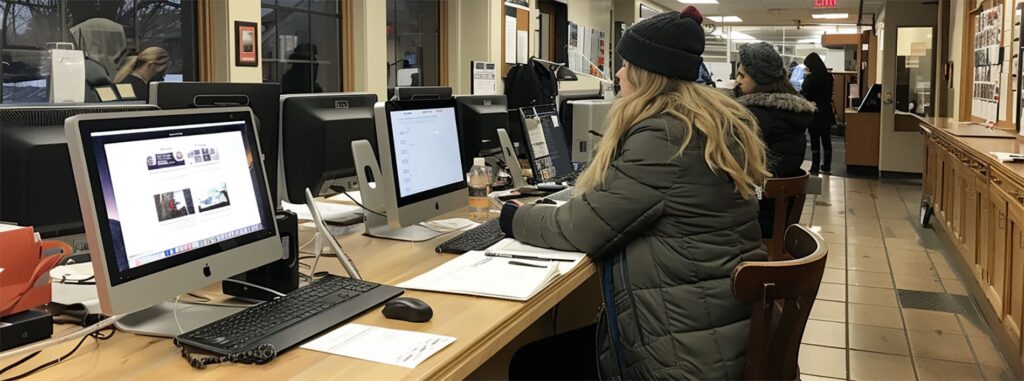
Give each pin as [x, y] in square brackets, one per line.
[481, 326]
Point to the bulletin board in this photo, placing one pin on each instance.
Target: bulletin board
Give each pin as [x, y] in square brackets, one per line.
[515, 36]
[588, 50]
[988, 57]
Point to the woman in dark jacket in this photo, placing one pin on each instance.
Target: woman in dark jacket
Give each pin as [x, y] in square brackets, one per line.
[784, 117]
[817, 88]
[666, 210]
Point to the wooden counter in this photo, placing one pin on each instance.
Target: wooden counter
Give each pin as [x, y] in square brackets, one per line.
[481, 326]
[978, 205]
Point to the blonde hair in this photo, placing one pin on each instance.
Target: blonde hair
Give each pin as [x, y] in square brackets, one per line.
[151, 54]
[718, 117]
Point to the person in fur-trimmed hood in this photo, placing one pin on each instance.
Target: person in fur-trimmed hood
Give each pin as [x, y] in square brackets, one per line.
[784, 116]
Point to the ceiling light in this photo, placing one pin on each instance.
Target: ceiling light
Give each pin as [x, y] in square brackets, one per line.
[830, 16]
[725, 18]
[740, 36]
[699, 1]
[808, 41]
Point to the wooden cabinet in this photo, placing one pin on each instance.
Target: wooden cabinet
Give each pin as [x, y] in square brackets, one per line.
[1014, 305]
[993, 260]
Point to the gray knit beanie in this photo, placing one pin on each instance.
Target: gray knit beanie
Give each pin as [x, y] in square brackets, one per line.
[762, 63]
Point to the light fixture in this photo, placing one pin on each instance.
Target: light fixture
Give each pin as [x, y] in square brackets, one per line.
[725, 18]
[808, 41]
[830, 16]
[699, 1]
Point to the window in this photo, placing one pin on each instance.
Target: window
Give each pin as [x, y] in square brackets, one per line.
[107, 31]
[414, 36]
[302, 45]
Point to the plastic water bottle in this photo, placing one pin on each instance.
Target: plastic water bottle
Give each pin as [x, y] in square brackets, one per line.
[479, 180]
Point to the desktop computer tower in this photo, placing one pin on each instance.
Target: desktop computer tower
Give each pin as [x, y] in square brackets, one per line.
[281, 275]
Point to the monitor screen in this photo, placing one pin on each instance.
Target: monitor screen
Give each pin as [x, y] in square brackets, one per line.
[425, 145]
[548, 150]
[173, 193]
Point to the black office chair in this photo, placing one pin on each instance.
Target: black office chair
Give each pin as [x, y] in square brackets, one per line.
[95, 76]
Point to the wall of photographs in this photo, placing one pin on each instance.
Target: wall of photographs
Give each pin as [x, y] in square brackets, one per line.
[587, 50]
[987, 63]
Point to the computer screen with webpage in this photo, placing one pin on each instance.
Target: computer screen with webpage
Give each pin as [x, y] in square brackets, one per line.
[548, 149]
[426, 149]
[178, 192]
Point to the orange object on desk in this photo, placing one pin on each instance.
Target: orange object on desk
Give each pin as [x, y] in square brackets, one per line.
[25, 268]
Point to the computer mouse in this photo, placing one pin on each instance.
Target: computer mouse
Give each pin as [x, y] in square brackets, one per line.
[546, 201]
[408, 309]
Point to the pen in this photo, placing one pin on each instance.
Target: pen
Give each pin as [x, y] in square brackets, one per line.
[527, 257]
[517, 263]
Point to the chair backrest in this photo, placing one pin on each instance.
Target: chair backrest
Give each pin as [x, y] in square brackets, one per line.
[781, 294]
[788, 194]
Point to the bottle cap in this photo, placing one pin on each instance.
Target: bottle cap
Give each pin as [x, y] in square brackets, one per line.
[479, 161]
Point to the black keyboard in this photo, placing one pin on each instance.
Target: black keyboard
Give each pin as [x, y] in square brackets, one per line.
[290, 319]
[478, 238]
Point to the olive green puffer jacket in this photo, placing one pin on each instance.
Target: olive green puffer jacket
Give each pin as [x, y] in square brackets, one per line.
[666, 233]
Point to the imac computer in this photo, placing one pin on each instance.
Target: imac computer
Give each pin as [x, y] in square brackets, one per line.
[590, 122]
[480, 118]
[548, 151]
[262, 98]
[37, 186]
[421, 93]
[172, 201]
[317, 131]
[419, 175]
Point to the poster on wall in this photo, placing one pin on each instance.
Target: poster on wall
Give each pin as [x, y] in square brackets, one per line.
[588, 50]
[246, 45]
[987, 64]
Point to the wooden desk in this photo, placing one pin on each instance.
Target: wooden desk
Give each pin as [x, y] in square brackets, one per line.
[862, 134]
[481, 326]
[978, 205]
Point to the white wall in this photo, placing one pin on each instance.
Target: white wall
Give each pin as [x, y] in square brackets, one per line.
[369, 42]
[474, 34]
[595, 14]
[955, 50]
[224, 15]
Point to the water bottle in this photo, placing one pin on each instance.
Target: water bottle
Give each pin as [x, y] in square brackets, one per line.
[479, 179]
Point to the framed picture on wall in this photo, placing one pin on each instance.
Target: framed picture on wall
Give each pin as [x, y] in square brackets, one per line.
[246, 44]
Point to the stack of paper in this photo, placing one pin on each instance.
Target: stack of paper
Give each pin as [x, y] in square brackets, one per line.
[519, 274]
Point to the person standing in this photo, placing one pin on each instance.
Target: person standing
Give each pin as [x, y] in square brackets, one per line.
[667, 209]
[817, 88]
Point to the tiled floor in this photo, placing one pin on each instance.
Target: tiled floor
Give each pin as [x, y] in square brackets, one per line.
[890, 306]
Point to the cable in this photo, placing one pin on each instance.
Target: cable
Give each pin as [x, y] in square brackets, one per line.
[242, 282]
[37, 346]
[174, 311]
[345, 192]
[94, 333]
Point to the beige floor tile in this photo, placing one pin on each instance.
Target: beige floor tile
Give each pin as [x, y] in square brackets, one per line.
[939, 346]
[905, 244]
[931, 321]
[835, 260]
[878, 366]
[912, 255]
[929, 369]
[972, 329]
[892, 212]
[866, 252]
[832, 291]
[834, 276]
[954, 286]
[898, 228]
[827, 218]
[942, 266]
[829, 310]
[879, 339]
[878, 316]
[918, 282]
[986, 352]
[811, 377]
[827, 333]
[833, 238]
[997, 373]
[865, 241]
[911, 266]
[822, 361]
[871, 295]
[872, 265]
[869, 279]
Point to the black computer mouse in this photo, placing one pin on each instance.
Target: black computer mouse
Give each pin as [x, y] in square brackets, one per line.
[546, 201]
[408, 309]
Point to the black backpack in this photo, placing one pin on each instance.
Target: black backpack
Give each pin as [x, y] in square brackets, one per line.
[530, 84]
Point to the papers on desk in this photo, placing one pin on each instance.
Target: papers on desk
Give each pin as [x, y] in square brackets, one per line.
[1008, 157]
[388, 346]
[475, 273]
[328, 210]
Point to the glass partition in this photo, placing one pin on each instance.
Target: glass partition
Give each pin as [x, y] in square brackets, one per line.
[914, 71]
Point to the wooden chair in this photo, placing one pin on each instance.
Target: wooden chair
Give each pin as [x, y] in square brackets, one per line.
[781, 294]
[788, 194]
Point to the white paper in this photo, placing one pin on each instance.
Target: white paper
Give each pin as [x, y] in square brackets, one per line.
[72, 272]
[473, 273]
[1006, 157]
[522, 50]
[510, 39]
[485, 76]
[328, 210]
[511, 246]
[343, 198]
[448, 225]
[387, 346]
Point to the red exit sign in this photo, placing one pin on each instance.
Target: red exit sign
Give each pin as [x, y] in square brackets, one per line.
[824, 3]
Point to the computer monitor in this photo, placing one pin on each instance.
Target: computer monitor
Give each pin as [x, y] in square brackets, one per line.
[591, 120]
[317, 131]
[172, 201]
[419, 175]
[37, 186]
[262, 98]
[422, 93]
[480, 117]
[565, 112]
[548, 150]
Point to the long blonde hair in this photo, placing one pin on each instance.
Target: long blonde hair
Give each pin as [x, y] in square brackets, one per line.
[717, 116]
[151, 54]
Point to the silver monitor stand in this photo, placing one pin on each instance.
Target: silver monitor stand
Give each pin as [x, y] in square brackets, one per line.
[375, 196]
[511, 160]
[324, 234]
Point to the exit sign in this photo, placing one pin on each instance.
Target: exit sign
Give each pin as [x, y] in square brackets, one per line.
[824, 3]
